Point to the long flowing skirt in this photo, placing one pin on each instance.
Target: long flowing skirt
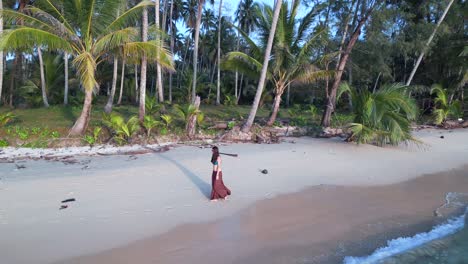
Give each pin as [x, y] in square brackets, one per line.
[219, 190]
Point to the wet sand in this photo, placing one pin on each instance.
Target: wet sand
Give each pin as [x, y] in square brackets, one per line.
[321, 224]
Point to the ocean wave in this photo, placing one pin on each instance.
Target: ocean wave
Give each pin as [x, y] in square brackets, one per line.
[403, 244]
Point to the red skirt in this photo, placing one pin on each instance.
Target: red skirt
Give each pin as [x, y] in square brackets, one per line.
[218, 189]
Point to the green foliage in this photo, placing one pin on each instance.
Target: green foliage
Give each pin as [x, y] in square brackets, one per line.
[185, 112]
[167, 119]
[4, 143]
[121, 130]
[229, 100]
[151, 106]
[444, 109]
[6, 118]
[149, 123]
[231, 124]
[94, 137]
[383, 117]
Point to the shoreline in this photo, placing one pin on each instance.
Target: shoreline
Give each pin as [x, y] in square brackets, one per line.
[291, 228]
[125, 198]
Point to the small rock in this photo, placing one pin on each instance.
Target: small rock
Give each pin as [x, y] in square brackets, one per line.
[441, 136]
[264, 171]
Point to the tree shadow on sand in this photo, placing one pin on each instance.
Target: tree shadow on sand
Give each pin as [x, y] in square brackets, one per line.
[204, 187]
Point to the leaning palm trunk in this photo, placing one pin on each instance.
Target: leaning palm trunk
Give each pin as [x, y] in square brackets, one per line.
[261, 83]
[82, 123]
[218, 84]
[192, 122]
[331, 101]
[144, 63]
[274, 112]
[110, 100]
[122, 78]
[158, 67]
[43, 81]
[65, 96]
[428, 43]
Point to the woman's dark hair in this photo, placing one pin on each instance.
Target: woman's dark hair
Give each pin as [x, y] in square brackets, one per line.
[215, 155]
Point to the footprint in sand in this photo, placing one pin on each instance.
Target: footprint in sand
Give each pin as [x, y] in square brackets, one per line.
[169, 208]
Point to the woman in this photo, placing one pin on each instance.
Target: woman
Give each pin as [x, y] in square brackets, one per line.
[218, 191]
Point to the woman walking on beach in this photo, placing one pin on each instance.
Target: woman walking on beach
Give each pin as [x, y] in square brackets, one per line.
[218, 189]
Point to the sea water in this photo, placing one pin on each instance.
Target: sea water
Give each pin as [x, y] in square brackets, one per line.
[444, 244]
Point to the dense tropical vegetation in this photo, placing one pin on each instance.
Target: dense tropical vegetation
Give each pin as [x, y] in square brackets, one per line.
[133, 67]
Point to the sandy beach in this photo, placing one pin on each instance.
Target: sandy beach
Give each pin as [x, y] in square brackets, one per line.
[319, 199]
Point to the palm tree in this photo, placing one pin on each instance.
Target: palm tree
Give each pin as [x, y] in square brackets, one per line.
[365, 8]
[43, 81]
[382, 117]
[444, 107]
[110, 100]
[218, 85]
[245, 16]
[261, 83]
[292, 49]
[65, 95]
[144, 65]
[195, 48]
[87, 31]
[158, 67]
[428, 43]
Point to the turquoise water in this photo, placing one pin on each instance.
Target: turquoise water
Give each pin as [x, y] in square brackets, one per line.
[444, 244]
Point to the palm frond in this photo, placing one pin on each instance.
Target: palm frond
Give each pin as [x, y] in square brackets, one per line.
[115, 39]
[86, 66]
[243, 63]
[28, 38]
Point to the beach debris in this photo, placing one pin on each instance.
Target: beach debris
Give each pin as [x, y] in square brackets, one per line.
[264, 171]
[86, 167]
[442, 137]
[19, 167]
[132, 157]
[63, 207]
[69, 200]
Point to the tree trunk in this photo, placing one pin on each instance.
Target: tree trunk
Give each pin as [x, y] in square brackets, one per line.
[14, 72]
[65, 97]
[236, 87]
[288, 95]
[261, 83]
[240, 89]
[376, 82]
[195, 49]
[144, 62]
[192, 123]
[274, 112]
[122, 79]
[136, 84]
[172, 49]
[43, 80]
[331, 102]
[158, 66]
[428, 43]
[82, 123]
[1, 54]
[110, 100]
[218, 85]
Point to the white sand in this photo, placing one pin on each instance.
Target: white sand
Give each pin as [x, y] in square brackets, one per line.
[121, 199]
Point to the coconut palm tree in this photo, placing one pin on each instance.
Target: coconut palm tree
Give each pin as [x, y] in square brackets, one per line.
[87, 30]
[382, 117]
[291, 51]
[261, 83]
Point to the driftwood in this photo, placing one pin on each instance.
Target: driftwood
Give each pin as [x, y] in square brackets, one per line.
[219, 126]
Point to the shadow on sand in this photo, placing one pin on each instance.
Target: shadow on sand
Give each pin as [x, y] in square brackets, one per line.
[204, 187]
